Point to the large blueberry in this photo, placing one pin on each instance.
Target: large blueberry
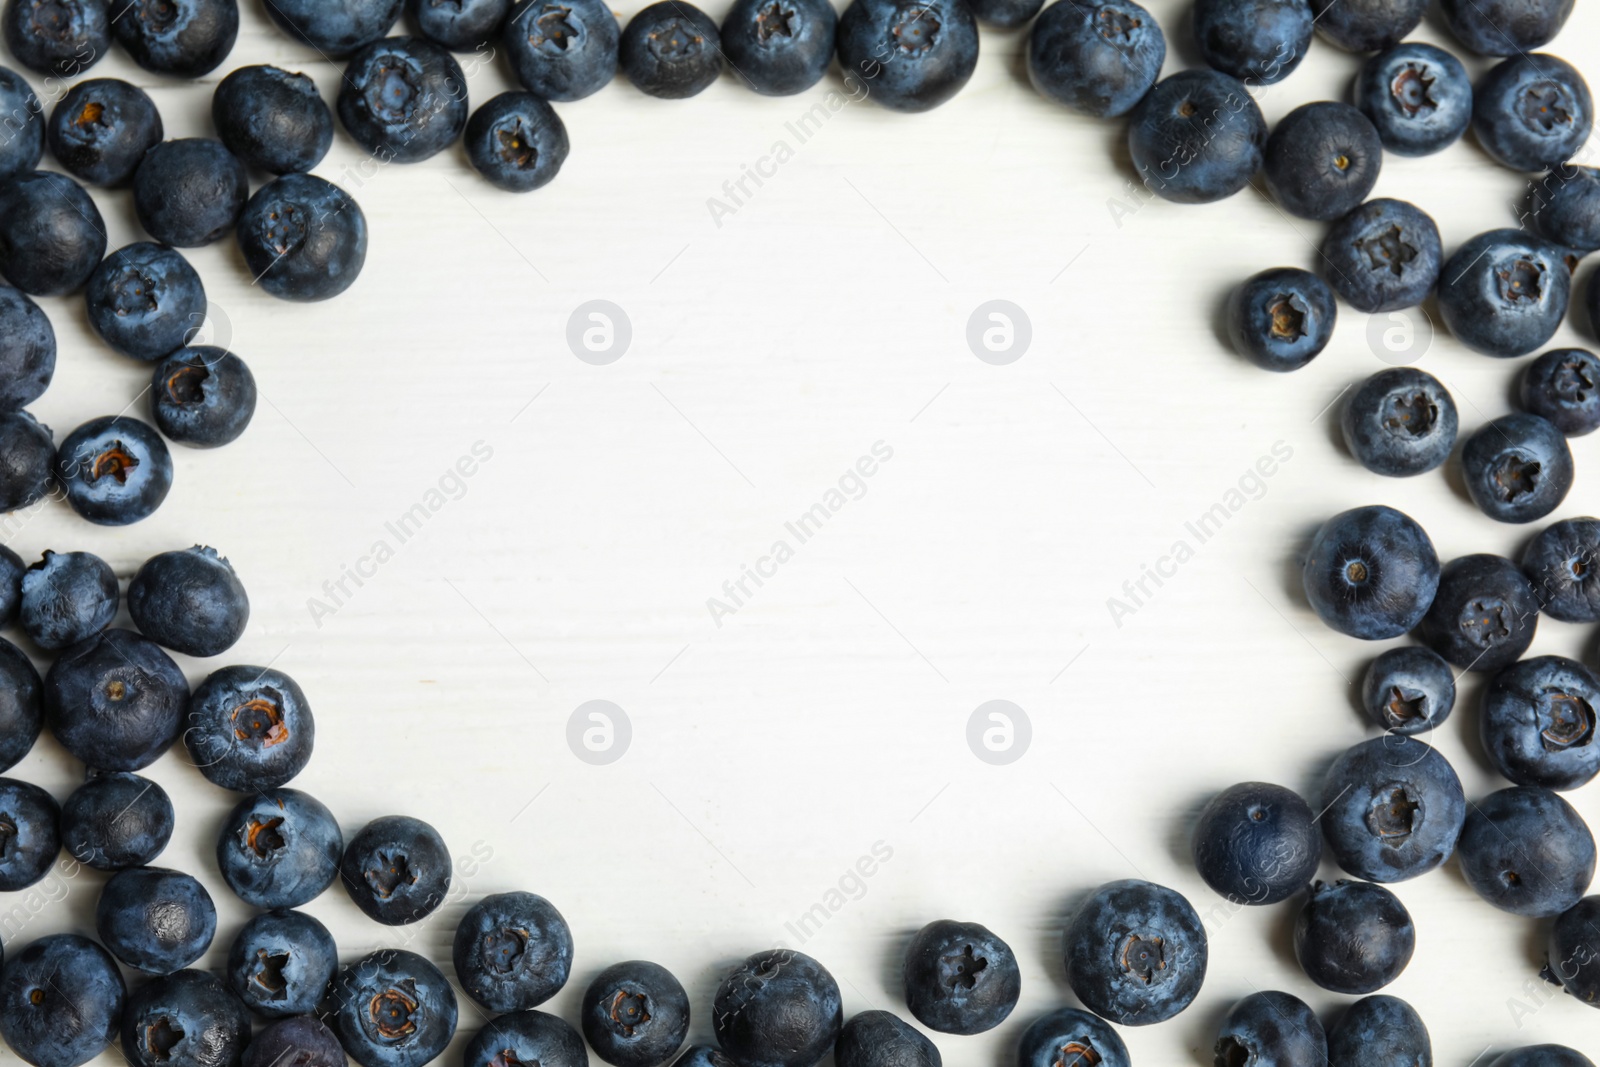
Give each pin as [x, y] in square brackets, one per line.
[1563, 385]
[779, 1008]
[1353, 937]
[249, 728]
[303, 238]
[1518, 468]
[1538, 723]
[1099, 57]
[562, 49]
[67, 597]
[189, 600]
[1068, 1037]
[960, 978]
[1400, 422]
[780, 47]
[1408, 690]
[189, 192]
[526, 1037]
[1257, 41]
[1565, 208]
[335, 28]
[1136, 952]
[27, 460]
[906, 54]
[281, 963]
[1418, 97]
[1281, 319]
[1381, 1029]
[1392, 808]
[1505, 292]
[1271, 1029]
[272, 119]
[30, 834]
[393, 1008]
[1383, 256]
[145, 300]
[635, 1014]
[27, 350]
[21, 706]
[101, 129]
[61, 1001]
[403, 99]
[1527, 851]
[1505, 27]
[1532, 112]
[60, 37]
[1367, 25]
[184, 38]
[1371, 572]
[184, 1019]
[202, 396]
[671, 50]
[24, 124]
[51, 234]
[115, 701]
[880, 1039]
[154, 919]
[512, 951]
[116, 820]
[1257, 843]
[1483, 615]
[459, 25]
[279, 849]
[397, 870]
[517, 141]
[1197, 137]
[115, 470]
[300, 1040]
[1322, 160]
[1563, 563]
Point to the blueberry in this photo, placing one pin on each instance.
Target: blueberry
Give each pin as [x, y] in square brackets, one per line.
[11, 569]
[250, 729]
[1400, 422]
[21, 706]
[1197, 137]
[1367, 25]
[27, 460]
[115, 470]
[394, 1009]
[185, 38]
[1379, 1029]
[1135, 952]
[397, 870]
[1563, 386]
[1392, 809]
[1565, 209]
[202, 396]
[880, 1039]
[185, 1019]
[1543, 1056]
[517, 141]
[1518, 468]
[116, 820]
[61, 1001]
[1532, 112]
[281, 963]
[529, 1037]
[1371, 572]
[115, 701]
[403, 99]
[781, 47]
[189, 600]
[1257, 41]
[24, 142]
[1383, 256]
[101, 129]
[1005, 14]
[30, 833]
[189, 192]
[1505, 27]
[1068, 1037]
[562, 49]
[908, 55]
[1484, 614]
[1257, 843]
[272, 119]
[1527, 851]
[303, 238]
[1099, 57]
[67, 597]
[1408, 690]
[779, 1008]
[459, 25]
[60, 37]
[1417, 96]
[1353, 937]
[1271, 1029]
[51, 234]
[635, 1014]
[145, 300]
[1505, 292]
[1573, 952]
[279, 849]
[705, 1056]
[335, 29]
[300, 1040]
[1322, 160]
[27, 350]
[512, 951]
[670, 49]
[1538, 723]
[1563, 563]
[1281, 319]
[154, 919]
[960, 978]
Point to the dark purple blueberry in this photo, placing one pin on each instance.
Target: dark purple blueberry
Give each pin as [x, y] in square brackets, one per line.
[115, 701]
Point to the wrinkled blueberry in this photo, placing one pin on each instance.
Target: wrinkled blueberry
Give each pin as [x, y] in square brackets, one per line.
[1383, 256]
[879, 1039]
[189, 192]
[1257, 843]
[272, 119]
[1322, 160]
[1367, 25]
[562, 49]
[1527, 851]
[780, 47]
[1197, 137]
[1271, 1029]
[303, 238]
[338, 28]
[517, 141]
[403, 99]
[526, 1037]
[1532, 112]
[1483, 615]
[459, 25]
[1392, 809]
[1418, 97]
[397, 870]
[51, 234]
[960, 978]
[60, 37]
[27, 350]
[1282, 319]
[1136, 952]
[115, 701]
[101, 129]
[115, 470]
[1408, 690]
[1538, 723]
[250, 729]
[394, 1009]
[184, 1019]
[61, 1001]
[1099, 57]
[185, 38]
[779, 1008]
[1563, 563]
[30, 834]
[280, 964]
[1257, 41]
[1353, 937]
[21, 705]
[189, 600]
[145, 300]
[67, 597]
[27, 460]
[1518, 468]
[512, 951]
[1371, 572]
[908, 55]
[116, 820]
[279, 849]
[671, 50]
[154, 919]
[1400, 422]
[1068, 1037]
[635, 1014]
[202, 396]
[1379, 1029]
[1505, 292]
[1563, 386]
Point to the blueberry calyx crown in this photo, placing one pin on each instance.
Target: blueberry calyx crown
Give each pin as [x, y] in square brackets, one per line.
[1144, 957]
[1410, 89]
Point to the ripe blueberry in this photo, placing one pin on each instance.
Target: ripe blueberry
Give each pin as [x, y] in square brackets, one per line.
[1563, 385]
[189, 192]
[1418, 97]
[61, 1001]
[116, 820]
[779, 1008]
[397, 870]
[635, 1014]
[1257, 843]
[272, 119]
[1099, 57]
[1532, 112]
[21, 706]
[512, 951]
[1392, 809]
[908, 55]
[1518, 468]
[185, 38]
[671, 50]
[115, 470]
[27, 350]
[1505, 292]
[30, 831]
[562, 49]
[393, 1008]
[1367, 25]
[1068, 1037]
[780, 47]
[1371, 572]
[281, 963]
[1408, 690]
[154, 919]
[60, 37]
[1400, 422]
[1136, 952]
[1573, 951]
[1322, 160]
[115, 701]
[1505, 27]
[67, 597]
[1197, 137]
[1281, 319]
[1383, 256]
[1527, 851]
[960, 978]
[335, 30]
[101, 129]
[279, 849]
[1483, 615]
[403, 99]
[302, 1040]
[1260, 42]
[1563, 563]
[27, 460]
[1538, 723]
[202, 396]
[1353, 937]
[1271, 1029]
[517, 141]
[529, 1037]
[303, 238]
[1565, 208]
[51, 234]
[145, 300]
[879, 1039]
[24, 143]
[1380, 1029]
[459, 25]
[184, 1019]
[249, 728]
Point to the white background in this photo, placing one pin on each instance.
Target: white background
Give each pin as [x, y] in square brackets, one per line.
[829, 713]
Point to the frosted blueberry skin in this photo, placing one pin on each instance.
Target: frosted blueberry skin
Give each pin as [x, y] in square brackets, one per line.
[874, 1039]
[1353, 937]
[1417, 96]
[1383, 256]
[203, 397]
[1098, 57]
[635, 1014]
[463, 26]
[1504, 293]
[1517, 468]
[78, 1008]
[1532, 112]
[51, 233]
[1563, 564]
[154, 919]
[1400, 422]
[101, 129]
[301, 1039]
[529, 1037]
[210, 1025]
[279, 849]
[781, 47]
[35, 837]
[145, 300]
[671, 50]
[1379, 1028]
[516, 141]
[24, 141]
[27, 350]
[1257, 843]
[183, 38]
[249, 729]
[116, 820]
[1484, 614]
[1565, 208]
[189, 600]
[272, 119]
[115, 701]
[394, 1009]
[404, 99]
[1136, 953]
[335, 28]
[1392, 809]
[1005, 14]
[1322, 160]
[1543, 1056]
[960, 978]
[1260, 42]
[21, 706]
[27, 460]
[908, 56]
[512, 951]
[59, 37]
[1408, 690]
[1527, 851]
[1505, 27]
[1272, 1029]
[1070, 1032]
[1281, 319]
[1197, 137]
[562, 49]
[189, 192]
[303, 238]
[1367, 25]
[778, 1008]
[396, 869]
[1563, 386]
[114, 470]
[281, 964]
[1371, 572]
[1538, 723]
[67, 597]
